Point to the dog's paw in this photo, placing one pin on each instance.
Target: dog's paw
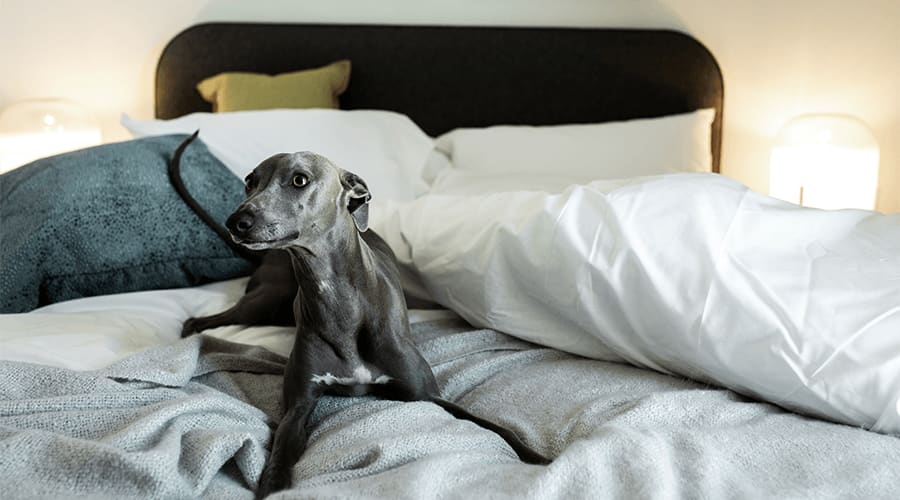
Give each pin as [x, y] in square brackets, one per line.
[272, 481]
[189, 328]
[534, 458]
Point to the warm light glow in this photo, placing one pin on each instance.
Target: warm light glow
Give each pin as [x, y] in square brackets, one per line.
[825, 161]
[17, 150]
[31, 130]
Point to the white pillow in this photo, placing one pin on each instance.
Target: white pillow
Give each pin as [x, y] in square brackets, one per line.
[385, 148]
[652, 146]
[453, 181]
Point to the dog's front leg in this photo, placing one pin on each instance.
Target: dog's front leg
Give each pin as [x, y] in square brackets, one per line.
[289, 443]
[287, 447]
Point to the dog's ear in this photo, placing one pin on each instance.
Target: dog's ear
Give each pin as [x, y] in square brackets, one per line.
[357, 195]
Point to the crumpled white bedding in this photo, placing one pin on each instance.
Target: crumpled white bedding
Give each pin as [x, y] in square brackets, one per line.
[95, 332]
[691, 274]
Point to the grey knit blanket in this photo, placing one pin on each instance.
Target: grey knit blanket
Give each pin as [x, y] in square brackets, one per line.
[194, 419]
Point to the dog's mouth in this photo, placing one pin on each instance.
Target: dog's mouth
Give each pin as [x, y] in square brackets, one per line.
[257, 244]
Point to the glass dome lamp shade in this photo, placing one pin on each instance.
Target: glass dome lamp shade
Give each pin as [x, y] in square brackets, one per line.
[35, 129]
[825, 161]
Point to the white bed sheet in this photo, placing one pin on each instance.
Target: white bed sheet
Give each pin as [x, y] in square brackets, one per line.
[94, 332]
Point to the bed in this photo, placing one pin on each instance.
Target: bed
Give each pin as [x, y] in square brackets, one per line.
[103, 399]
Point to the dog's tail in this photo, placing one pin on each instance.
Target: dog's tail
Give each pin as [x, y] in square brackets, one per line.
[525, 452]
[178, 184]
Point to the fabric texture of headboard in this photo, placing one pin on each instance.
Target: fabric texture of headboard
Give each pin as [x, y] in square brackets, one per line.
[449, 77]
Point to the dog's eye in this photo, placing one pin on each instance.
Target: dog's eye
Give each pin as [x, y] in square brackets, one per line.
[300, 180]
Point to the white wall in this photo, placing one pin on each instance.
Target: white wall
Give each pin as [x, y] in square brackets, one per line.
[780, 58]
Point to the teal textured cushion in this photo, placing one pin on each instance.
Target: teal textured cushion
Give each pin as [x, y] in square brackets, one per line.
[107, 220]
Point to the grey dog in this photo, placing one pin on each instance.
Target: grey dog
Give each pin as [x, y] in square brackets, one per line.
[345, 295]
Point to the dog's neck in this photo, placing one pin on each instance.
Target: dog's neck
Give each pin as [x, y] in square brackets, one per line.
[330, 279]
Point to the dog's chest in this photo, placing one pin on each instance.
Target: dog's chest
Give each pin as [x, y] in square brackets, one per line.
[359, 382]
[361, 375]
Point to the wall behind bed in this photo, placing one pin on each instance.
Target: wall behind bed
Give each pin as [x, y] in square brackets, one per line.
[779, 58]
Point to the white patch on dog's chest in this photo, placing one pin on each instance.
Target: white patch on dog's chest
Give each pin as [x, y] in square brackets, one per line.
[361, 375]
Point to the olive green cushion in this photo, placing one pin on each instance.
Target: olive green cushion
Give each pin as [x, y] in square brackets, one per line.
[311, 88]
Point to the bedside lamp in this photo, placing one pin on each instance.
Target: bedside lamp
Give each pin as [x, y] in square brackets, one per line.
[826, 161]
[35, 129]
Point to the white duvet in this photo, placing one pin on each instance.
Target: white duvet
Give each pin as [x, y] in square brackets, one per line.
[690, 274]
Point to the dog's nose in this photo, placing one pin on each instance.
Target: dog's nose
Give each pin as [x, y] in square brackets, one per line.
[240, 222]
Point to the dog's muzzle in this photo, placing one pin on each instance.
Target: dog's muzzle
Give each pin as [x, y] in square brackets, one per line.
[240, 224]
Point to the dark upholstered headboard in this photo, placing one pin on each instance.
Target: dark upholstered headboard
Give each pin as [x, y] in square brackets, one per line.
[448, 77]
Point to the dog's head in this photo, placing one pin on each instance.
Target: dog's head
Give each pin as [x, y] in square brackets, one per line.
[296, 200]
